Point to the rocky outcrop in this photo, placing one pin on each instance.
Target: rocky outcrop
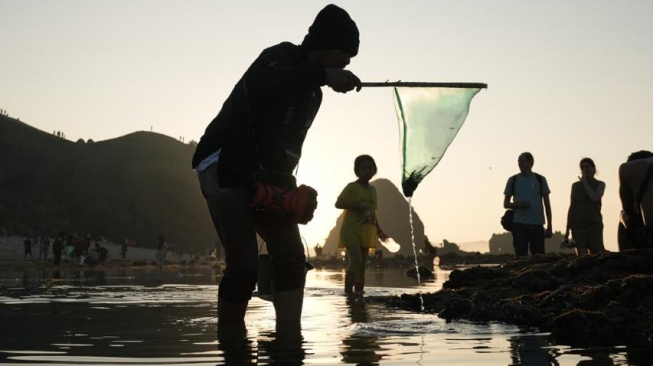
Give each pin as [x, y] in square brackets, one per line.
[592, 300]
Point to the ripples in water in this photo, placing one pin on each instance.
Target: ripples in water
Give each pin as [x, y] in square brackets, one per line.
[133, 318]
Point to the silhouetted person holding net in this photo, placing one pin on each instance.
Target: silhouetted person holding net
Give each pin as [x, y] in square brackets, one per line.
[257, 137]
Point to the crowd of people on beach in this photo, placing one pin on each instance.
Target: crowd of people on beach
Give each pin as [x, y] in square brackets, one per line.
[66, 247]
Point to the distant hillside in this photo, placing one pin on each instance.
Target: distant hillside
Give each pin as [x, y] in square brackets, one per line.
[136, 186]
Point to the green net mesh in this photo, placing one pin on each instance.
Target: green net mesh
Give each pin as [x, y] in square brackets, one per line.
[429, 119]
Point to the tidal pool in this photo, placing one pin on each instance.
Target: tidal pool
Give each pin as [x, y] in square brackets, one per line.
[130, 316]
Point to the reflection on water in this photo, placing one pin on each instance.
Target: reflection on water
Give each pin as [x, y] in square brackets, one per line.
[130, 316]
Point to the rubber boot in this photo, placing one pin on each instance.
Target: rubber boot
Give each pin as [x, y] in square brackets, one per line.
[231, 315]
[349, 283]
[288, 310]
[232, 333]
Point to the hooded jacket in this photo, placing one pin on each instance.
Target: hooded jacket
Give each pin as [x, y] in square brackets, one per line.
[263, 123]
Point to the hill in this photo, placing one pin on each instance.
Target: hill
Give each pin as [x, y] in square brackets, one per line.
[136, 186]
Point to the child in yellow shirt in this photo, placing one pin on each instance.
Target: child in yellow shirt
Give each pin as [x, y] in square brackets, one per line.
[360, 228]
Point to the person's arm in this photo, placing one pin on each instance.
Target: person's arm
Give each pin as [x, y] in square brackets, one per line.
[342, 81]
[343, 204]
[625, 193]
[513, 205]
[380, 233]
[344, 201]
[506, 201]
[508, 194]
[547, 210]
[595, 196]
[279, 69]
[571, 202]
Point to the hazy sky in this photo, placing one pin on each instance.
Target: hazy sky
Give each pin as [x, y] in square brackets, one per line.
[567, 79]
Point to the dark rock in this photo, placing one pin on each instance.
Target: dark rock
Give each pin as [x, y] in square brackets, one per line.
[456, 307]
[592, 300]
[584, 329]
[423, 272]
[535, 281]
[473, 276]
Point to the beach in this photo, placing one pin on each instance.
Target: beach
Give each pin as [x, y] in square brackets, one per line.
[12, 250]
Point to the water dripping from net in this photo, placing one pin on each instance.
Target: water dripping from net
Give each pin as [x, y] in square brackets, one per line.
[412, 240]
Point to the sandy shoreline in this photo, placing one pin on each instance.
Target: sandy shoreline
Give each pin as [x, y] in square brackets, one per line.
[12, 252]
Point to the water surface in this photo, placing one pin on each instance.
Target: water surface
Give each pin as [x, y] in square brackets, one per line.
[129, 316]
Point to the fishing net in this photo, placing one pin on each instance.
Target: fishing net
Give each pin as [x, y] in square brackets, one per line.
[429, 119]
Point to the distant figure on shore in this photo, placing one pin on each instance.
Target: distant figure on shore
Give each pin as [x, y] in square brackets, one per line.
[92, 259]
[69, 248]
[44, 247]
[123, 250]
[102, 253]
[318, 250]
[86, 244]
[360, 230]
[161, 252]
[27, 244]
[58, 247]
[636, 196]
[584, 218]
[524, 193]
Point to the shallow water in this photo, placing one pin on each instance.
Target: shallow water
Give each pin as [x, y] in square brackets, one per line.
[128, 316]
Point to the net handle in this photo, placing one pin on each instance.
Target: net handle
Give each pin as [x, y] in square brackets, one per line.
[423, 84]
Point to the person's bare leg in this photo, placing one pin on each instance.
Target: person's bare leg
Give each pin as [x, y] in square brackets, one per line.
[581, 251]
[349, 282]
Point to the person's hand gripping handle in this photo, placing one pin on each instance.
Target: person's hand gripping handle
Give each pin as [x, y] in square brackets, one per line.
[342, 81]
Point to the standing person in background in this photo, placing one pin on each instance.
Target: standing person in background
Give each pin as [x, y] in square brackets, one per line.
[258, 136]
[360, 230]
[123, 249]
[102, 253]
[68, 249]
[58, 247]
[161, 252]
[525, 193]
[28, 247]
[44, 247]
[624, 238]
[584, 218]
[636, 193]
